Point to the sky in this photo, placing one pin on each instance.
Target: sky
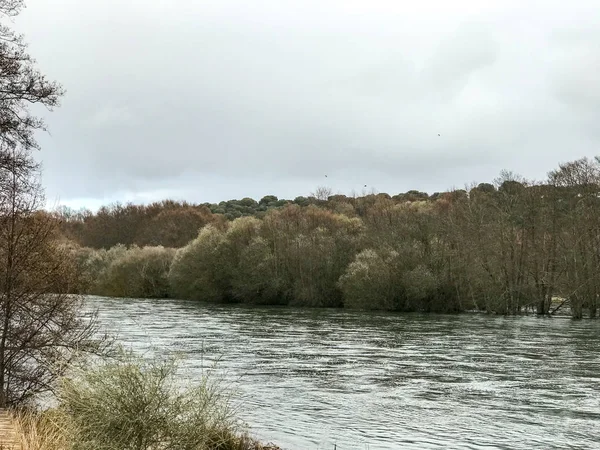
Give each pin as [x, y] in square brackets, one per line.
[213, 100]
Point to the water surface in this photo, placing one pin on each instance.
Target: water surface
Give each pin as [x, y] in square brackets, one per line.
[312, 379]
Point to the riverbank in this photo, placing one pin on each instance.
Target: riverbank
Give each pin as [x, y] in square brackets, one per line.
[136, 403]
[46, 431]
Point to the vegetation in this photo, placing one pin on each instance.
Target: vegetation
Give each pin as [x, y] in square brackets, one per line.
[21, 85]
[121, 272]
[168, 223]
[41, 330]
[506, 247]
[136, 404]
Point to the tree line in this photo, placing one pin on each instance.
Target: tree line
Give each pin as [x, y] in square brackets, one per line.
[173, 223]
[508, 247]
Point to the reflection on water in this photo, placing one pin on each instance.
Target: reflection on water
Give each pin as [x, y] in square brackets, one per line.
[314, 378]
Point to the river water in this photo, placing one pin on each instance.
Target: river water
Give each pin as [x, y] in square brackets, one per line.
[315, 379]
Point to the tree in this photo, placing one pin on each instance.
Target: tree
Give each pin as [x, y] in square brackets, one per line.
[257, 279]
[138, 273]
[322, 193]
[21, 85]
[174, 227]
[370, 282]
[577, 187]
[41, 326]
[312, 248]
[200, 269]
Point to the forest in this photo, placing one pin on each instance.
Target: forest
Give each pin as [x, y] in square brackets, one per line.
[508, 247]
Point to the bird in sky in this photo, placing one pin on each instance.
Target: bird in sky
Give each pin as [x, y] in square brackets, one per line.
[439, 134]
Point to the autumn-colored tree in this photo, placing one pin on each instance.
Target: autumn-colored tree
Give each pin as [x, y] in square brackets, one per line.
[174, 227]
[312, 247]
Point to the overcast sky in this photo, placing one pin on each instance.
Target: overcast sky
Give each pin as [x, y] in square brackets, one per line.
[212, 100]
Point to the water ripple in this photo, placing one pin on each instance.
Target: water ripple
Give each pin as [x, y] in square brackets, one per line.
[314, 378]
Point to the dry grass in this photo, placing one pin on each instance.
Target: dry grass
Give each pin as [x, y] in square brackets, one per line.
[47, 430]
[51, 430]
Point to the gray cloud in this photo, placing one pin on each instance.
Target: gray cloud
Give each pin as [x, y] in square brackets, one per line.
[214, 100]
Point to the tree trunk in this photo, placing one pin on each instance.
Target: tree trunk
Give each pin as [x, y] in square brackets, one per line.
[541, 307]
[576, 308]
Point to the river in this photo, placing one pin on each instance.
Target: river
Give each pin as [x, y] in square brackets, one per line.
[315, 379]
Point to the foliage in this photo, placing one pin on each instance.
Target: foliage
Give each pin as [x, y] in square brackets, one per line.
[138, 272]
[507, 247]
[92, 266]
[167, 223]
[257, 279]
[311, 249]
[135, 404]
[369, 281]
[200, 269]
[43, 430]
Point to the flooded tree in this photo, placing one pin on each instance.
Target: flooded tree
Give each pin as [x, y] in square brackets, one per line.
[577, 187]
[510, 247]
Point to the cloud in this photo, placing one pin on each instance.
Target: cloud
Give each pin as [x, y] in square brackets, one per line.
[110, 116]
[213, 100]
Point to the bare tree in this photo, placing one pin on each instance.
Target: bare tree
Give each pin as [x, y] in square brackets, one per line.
[42, 328]
[21, 85]
[577, 189]
[322, 193]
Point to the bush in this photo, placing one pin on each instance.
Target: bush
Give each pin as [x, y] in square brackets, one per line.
[369, 281]
[199, 270]
[139, 272]
[92, 266]
[133, 404]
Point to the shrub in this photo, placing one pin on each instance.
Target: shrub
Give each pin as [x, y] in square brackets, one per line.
[369, 281]
[92, 266]
[138, 272]
[134, 404]
[200, 269]
[129, 403]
